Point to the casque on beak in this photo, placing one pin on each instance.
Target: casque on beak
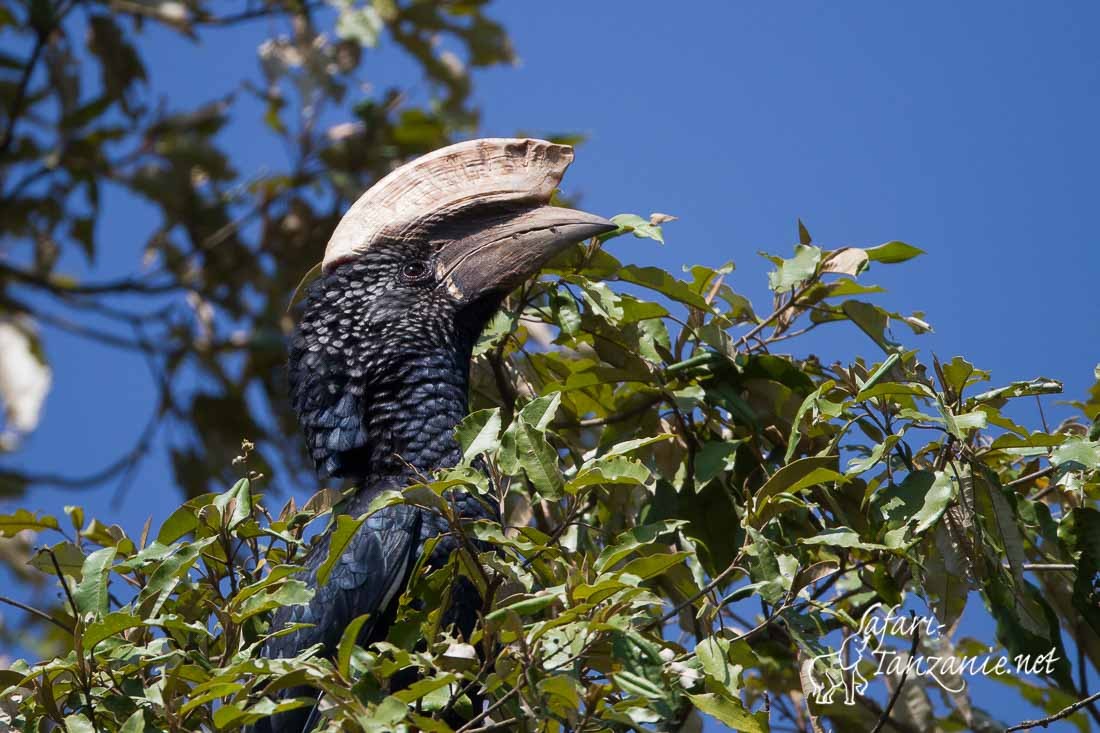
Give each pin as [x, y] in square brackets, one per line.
[488, 199]
[500, 257]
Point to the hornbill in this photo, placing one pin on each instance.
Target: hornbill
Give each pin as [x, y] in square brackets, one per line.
[380, 361]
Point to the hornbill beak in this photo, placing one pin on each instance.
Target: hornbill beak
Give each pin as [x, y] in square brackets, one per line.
[501, 256]
[486, 200]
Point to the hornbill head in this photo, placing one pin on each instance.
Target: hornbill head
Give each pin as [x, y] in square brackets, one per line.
[410, 277]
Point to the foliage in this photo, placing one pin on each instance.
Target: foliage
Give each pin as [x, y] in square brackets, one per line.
[689, 520]
[85, 122]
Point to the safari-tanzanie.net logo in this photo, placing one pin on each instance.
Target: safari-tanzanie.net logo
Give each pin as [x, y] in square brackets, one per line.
[843, 673]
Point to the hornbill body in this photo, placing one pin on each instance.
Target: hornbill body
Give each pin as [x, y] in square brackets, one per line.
[380, 359]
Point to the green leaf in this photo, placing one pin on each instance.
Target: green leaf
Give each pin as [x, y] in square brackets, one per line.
[120, 64]
[277, 574]
[539, 412]
[641, 228]
[914, 505]
[631, 540]
[1077, 453]
[539, 462]
[629, 446]
[134, 724]
[713, 459]
[873, 321]
[524, 447]
[859, 465]
[566, 315]
[78, 724]
[893, 252]
[338, 538]
[606, 471]
[945, 580]
[530, 606]
[108, 626]
[708, 514]
[91, 594]
[69, 558]
[76, 516]
[562, 694]
[662, 282]
[21, 519]
[168, 573]
[959, 374]
[289, 593]
[179, 522]
[876, 376]
[811, 402]
[804, 234]
[1030, 388]
[796, 270]
[793, 477]
[479, 432]
[731, 712]
[713, 654]
[840, 537]
[638, 665]
[239, 497]
[422, 689]
[653, 565]
[348, 640]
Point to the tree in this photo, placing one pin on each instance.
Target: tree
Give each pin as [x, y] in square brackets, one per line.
[693, 525]
[206, 302]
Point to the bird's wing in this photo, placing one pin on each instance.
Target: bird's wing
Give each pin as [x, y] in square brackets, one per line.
[367, 577]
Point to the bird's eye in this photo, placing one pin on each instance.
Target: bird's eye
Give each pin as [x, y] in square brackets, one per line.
[415, 271]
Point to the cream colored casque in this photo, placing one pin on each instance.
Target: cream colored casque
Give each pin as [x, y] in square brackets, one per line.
[442, 183]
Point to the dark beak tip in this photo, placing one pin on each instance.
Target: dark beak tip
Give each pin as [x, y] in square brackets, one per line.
[595, 229]
[582, 225]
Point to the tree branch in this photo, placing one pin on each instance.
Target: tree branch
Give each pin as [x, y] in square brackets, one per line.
[901, 683]
[247, 15]
[1031, 477]
[125, 285]
[16, 107]
[1063, 713]
[35, 612]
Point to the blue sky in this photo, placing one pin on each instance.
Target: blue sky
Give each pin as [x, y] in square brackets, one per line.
[967, 129]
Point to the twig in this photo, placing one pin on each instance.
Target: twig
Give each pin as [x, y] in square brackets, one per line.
[35, 612]
[1042, 415]
[1041, 473]
[776, 313]
[502, 725]
[79, 482]
[619, 416]
[1063, 713]
[82, 673]
[125, 285]
[16, 107]
[901, 683]
[487, 711]
[64, 583]
[718, 580]
[1040, 567]
[223, 21]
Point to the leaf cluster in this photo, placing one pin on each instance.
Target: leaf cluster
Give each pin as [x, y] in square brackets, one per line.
[689, 522]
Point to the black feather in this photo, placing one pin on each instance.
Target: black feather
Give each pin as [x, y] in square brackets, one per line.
[379, 374]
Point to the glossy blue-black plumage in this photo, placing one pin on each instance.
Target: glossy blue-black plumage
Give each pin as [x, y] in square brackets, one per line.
[379, 372]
